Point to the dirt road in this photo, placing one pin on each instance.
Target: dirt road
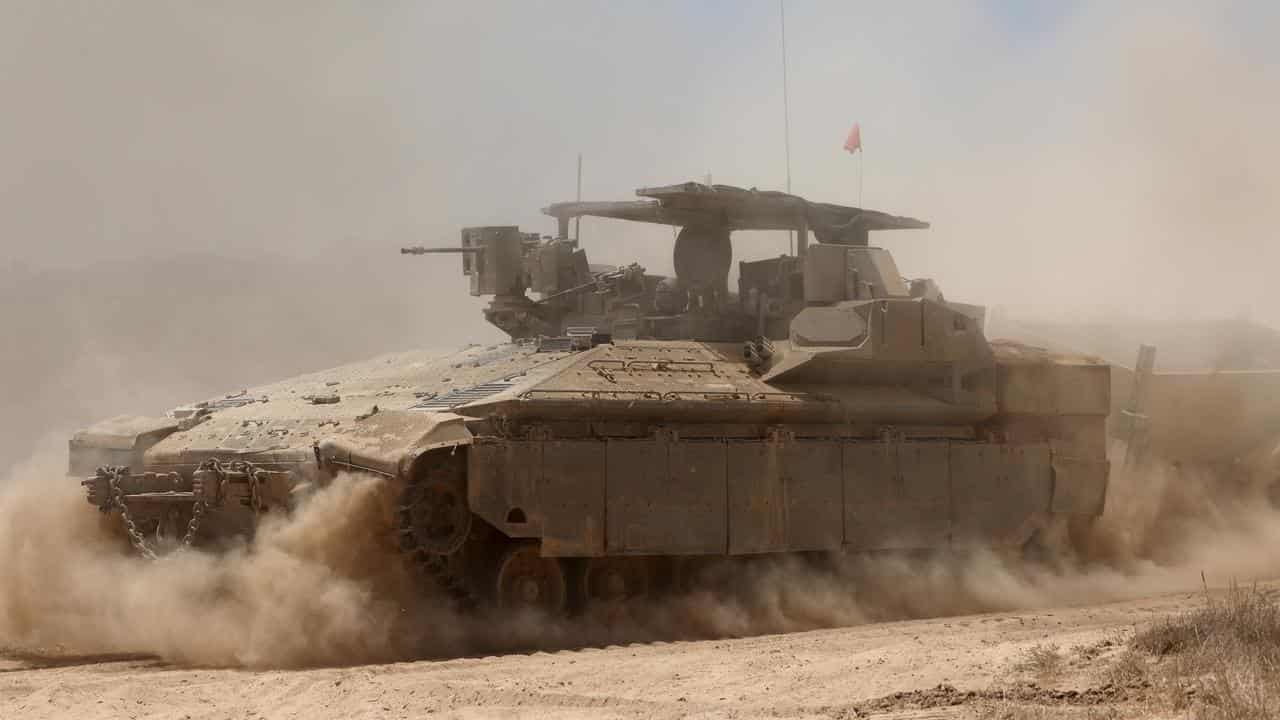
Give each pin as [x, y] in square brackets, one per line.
[838, 673]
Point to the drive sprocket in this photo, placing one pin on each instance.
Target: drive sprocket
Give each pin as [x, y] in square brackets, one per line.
[435, 523]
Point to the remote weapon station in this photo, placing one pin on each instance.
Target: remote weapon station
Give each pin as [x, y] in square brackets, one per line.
[635, 426]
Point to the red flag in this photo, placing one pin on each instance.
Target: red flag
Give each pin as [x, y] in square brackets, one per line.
[854, 141]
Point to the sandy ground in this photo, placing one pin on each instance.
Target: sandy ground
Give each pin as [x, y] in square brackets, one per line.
[839, 673]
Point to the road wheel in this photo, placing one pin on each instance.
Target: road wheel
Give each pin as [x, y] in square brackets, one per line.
[526, 580]
[616, 580]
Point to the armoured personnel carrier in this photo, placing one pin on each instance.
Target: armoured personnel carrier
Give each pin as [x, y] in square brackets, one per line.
[635, 425]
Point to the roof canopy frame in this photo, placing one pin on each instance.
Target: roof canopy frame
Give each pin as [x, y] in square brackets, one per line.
[695, 204]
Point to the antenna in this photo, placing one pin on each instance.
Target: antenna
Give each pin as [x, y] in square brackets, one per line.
[786, 111]
[577, 222]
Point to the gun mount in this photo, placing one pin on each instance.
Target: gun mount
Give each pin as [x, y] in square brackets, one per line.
[508, 264]
[626, 302]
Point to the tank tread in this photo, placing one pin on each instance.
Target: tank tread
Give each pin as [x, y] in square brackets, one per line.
[442, 571]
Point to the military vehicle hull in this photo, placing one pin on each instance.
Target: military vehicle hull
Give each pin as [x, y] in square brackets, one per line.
[540, 462]
[637, 425]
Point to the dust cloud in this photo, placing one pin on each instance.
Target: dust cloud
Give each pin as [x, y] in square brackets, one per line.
[324, 586]
[303, 593]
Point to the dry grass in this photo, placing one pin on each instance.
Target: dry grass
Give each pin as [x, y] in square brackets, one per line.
[1043, 661]
[1019, 711]
[1128, 669]
[1221, 661]
[1086, 654]
[1217, 662]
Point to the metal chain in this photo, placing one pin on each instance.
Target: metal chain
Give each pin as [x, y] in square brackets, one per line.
[114, 474]
[193, 527]
[256, 503]
[253, 476]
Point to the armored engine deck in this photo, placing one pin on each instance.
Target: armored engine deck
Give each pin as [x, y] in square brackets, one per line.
[686, 382]
[356, 404]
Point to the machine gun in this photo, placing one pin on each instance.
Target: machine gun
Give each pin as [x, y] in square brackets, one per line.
[508, 264]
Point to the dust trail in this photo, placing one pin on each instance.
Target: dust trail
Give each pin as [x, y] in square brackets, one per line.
[1164, 529]
[324, 587]
[309, 590]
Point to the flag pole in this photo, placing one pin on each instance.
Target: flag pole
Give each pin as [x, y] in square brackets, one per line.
[861, 152]
[786, 113]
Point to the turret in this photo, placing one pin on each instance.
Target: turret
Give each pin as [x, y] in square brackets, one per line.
[543, 286]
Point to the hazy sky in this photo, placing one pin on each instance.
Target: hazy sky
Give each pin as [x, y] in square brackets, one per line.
[1069, 155]
[1042, 139]
[197, 196]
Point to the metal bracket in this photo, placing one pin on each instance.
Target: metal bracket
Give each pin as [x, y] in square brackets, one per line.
[537, 432]
[666, 434]
[890, 434]
[780, 434]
